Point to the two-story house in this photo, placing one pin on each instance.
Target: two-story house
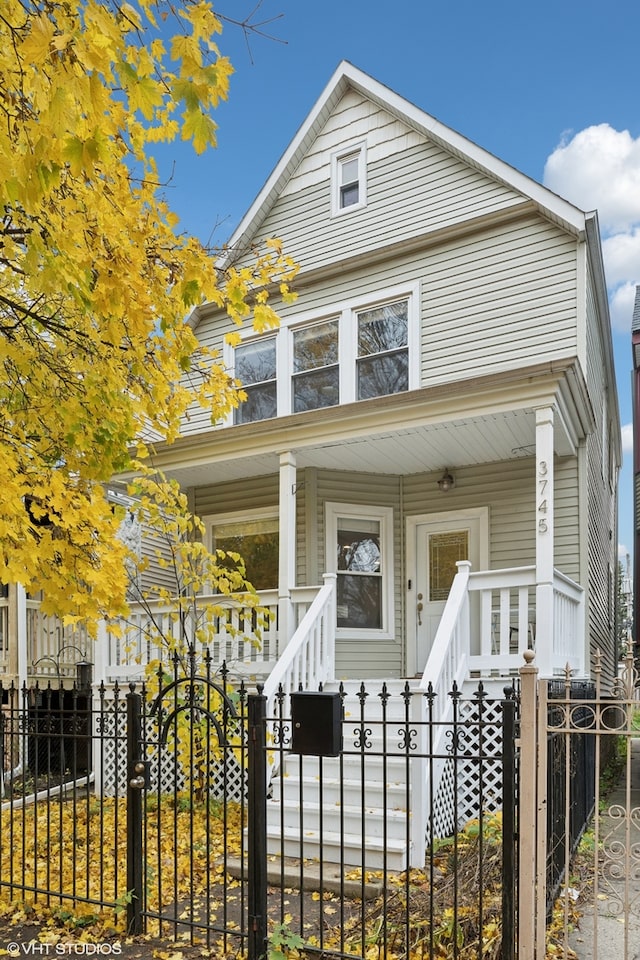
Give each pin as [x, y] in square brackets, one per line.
[443, 390]
[422, 479]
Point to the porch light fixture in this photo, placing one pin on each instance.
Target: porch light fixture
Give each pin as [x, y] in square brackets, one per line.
[446, 481]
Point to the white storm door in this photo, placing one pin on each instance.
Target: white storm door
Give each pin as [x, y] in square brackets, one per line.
[438, 544]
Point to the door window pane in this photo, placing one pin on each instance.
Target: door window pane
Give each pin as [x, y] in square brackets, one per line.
[445, 549]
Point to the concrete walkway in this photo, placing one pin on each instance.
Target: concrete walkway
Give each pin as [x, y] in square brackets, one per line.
[609, 928]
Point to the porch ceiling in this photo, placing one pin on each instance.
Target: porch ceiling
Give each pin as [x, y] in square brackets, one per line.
[481, 420]
[407, 450]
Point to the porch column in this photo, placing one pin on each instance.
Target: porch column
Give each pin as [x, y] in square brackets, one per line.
[287, 550]
[17, 630]
[544, 540]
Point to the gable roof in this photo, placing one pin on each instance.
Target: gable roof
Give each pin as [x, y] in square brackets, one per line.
[347, 77]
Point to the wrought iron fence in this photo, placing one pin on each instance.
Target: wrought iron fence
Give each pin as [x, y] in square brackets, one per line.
[571, 776]
[60, 834]
[152, 804]
[347, 873]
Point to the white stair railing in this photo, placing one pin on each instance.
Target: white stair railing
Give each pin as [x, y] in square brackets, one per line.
[309, 657]
[447, 666]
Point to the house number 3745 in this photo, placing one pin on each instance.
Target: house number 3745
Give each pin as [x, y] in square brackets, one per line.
[543, 481]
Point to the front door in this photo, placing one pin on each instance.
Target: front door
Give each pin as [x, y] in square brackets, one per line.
[436, 543]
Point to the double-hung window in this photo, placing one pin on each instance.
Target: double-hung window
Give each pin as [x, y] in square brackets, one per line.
[349, 179]
[315, 377]
[362, 348]
[382, 362]
[360, 551]
[255, 368]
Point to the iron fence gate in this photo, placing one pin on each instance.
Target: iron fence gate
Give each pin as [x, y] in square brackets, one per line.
[582, 853]
[187, 800]
[386, 833]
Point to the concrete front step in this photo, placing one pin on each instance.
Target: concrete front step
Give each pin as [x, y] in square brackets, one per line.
[334, 847]
[359, 786]
[348, 790]
[299, 874]
[349, 820]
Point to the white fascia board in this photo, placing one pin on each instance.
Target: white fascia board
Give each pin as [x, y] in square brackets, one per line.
[594, 247]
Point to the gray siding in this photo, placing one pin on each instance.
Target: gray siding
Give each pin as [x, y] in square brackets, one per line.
[357, 657]
[507, 489]
[490, 301]
[253, 493]
[413, 187]
[601, 530]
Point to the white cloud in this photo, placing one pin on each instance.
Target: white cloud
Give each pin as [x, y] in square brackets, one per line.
[621, 307]
[622, 257]
[599, 168]
[627, 438]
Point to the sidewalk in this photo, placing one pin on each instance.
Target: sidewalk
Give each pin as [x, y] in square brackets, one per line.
[609, 928]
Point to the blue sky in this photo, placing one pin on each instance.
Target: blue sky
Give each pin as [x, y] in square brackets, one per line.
[551, 88]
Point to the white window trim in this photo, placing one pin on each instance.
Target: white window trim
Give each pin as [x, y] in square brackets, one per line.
[211, 521]
[385, 517]
[344, 312]
[359, 150]
[236, 516]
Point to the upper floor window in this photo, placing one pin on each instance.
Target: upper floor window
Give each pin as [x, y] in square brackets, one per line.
[348, 179]
[315, 377]
[358, 350]
[383, 354]
[255, 368]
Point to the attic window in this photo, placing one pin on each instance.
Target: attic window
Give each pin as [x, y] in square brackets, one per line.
[348, 176]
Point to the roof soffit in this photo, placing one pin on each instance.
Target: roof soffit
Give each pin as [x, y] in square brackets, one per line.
[560, 385]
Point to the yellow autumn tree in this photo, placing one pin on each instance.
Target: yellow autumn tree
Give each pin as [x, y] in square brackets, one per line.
[96, 282]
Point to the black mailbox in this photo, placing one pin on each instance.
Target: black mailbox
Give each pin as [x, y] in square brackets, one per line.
[316, 719]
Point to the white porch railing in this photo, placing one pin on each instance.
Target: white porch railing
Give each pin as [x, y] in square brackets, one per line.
[488, 622]
[51, 648]
[308, 659]
[124, 654]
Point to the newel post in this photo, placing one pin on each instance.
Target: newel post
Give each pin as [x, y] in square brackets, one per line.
[532, 817]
